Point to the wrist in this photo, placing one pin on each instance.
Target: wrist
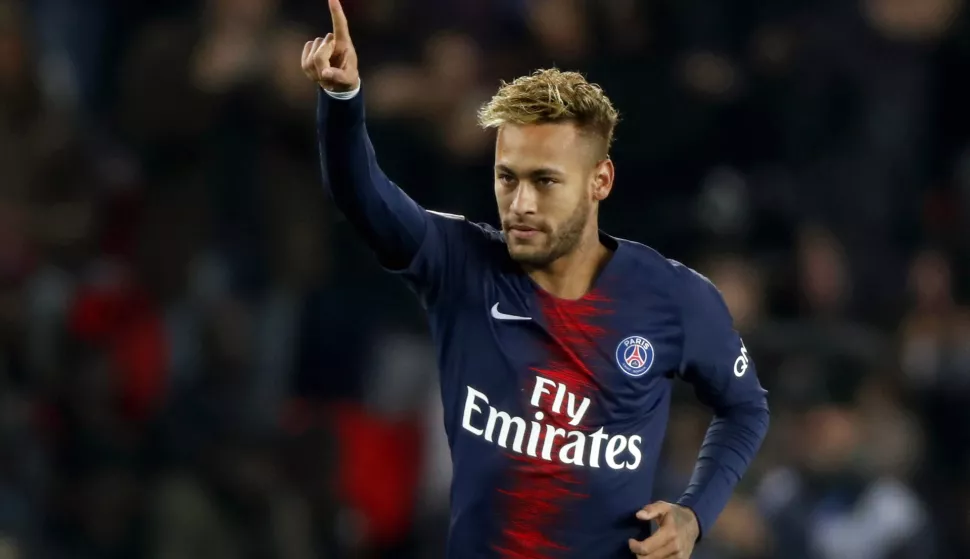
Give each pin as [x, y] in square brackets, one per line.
[343, 95]
[690, 517]
[343, 92]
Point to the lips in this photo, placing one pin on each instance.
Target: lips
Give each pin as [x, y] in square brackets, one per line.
[523, 231]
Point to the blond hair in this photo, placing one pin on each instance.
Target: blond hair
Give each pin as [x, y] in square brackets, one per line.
[552, 96]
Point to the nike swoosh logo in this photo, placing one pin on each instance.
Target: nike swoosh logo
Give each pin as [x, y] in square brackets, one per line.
[499, 315]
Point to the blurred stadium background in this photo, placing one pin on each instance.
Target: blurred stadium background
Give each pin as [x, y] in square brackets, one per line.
[198, 359]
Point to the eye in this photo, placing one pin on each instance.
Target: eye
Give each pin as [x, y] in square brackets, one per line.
[506, 178]
[545, 181]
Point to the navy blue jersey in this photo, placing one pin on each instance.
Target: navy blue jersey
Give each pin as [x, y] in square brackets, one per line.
[555, 410]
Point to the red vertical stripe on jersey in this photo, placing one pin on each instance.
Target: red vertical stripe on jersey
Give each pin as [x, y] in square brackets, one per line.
[541, 490]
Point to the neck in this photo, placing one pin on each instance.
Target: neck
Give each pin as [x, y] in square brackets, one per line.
[572, 276]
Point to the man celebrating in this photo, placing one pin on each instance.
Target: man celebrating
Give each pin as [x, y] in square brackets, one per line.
[557, 344]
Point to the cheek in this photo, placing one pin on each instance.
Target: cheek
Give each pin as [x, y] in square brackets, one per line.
[564, 199]
[502, 195]
[503, 199]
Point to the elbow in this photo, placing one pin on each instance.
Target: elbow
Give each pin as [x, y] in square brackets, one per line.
[756, 406]
[752, 413]
[757, 409]
[759, 403]
[750, 403]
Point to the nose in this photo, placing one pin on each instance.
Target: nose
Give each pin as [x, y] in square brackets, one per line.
[524, 200]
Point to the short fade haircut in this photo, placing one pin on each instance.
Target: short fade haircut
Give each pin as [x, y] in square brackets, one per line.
[552, 96]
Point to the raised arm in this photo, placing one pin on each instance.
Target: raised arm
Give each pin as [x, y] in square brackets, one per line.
[391, 223]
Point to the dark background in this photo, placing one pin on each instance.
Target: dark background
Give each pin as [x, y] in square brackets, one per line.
[198, 359]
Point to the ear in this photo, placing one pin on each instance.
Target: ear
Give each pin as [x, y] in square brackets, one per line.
[603, 176]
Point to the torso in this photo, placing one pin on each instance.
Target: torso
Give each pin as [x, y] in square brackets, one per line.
[555, 410]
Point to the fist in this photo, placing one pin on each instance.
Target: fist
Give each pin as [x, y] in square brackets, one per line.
[331, 61]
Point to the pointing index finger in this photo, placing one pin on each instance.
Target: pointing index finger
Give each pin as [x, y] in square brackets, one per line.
[341, 30]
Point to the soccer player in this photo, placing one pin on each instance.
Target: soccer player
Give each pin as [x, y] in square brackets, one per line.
[557, 344]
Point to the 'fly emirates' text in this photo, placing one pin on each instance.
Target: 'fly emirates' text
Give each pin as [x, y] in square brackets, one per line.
[579, 448]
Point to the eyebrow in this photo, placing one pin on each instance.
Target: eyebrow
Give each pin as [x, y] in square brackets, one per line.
[537, 172]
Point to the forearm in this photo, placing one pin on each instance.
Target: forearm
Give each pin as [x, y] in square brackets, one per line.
[391, 223]
[732, 441]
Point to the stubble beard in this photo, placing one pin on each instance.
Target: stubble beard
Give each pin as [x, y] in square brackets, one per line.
[561, 242]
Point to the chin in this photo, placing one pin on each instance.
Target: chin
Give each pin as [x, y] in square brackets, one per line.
[529, 256]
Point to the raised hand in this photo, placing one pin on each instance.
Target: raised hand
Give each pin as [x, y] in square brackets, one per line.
[331, 61]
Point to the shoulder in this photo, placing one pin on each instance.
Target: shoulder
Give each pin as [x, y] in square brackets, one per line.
[473, 238]
[691, 293]
[681, 282]
[460, 225]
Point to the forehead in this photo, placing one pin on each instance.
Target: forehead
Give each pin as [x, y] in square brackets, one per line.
[531, 145]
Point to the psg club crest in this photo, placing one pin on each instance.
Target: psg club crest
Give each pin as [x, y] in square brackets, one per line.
[634, 355]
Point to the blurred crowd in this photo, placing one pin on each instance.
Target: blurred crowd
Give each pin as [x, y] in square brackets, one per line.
[199, 360]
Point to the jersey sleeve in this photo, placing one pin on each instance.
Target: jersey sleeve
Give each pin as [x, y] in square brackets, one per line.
[724, 377]
[407, 239]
